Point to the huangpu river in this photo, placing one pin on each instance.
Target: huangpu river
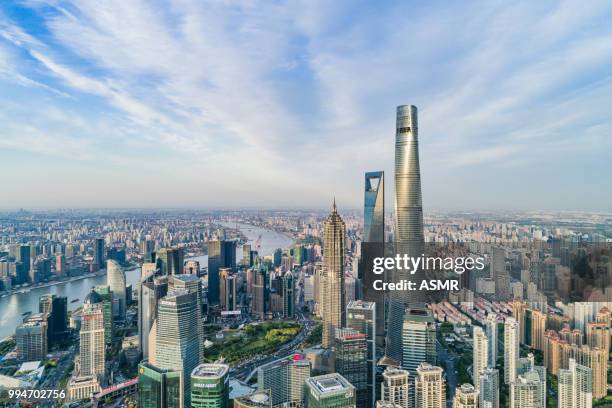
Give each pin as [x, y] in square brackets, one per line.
[13, 306]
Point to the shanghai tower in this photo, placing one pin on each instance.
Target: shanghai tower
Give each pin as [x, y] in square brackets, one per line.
[408, 220]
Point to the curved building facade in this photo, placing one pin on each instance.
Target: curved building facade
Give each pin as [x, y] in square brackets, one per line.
[409, 237]
[115, 279]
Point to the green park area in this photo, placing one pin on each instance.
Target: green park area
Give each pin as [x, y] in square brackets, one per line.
[254, 339]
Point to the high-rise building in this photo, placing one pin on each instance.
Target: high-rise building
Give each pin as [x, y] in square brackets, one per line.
[171, 260]
[418, 338]
[361, 316]
[374, 207]
[210, 386]
[107, 310]
[288, 295]
[594, 358]
[334, 247]
[92, 359]
[538, 328]
[329, 391]
[480, 354]
[190, 283]
[511, 349]
[598, 335]
[115, 279]
[247, 255]
[57, 308]
[152, 289]
[159, 387]
[409, 236]
[227, 290]
[350, 361]
[373, 242]
[575, 386]
[528, 391]
[31, 338]
[395, 387]
[466, 396]
[99, 257]
[430, 387]
[491, 332]
[489, 388]
[177, 343]
[260, 304]
[221, 254]
[285, 380]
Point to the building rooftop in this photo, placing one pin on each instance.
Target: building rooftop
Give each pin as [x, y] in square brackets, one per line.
[360, 304]
[329, 383]
[210, 370]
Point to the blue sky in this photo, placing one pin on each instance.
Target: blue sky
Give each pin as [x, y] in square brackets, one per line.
[286, 104]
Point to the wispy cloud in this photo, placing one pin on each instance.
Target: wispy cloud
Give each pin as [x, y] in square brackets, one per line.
[288, 103]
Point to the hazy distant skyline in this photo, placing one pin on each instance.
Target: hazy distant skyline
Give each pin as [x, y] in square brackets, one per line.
[285, 105]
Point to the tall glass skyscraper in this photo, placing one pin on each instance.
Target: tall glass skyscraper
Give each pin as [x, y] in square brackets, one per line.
[361, 316]
[409, 237]
[115, 279]
[158, 387]
[177, 345]
[374, 207]
[372, 244]
[334, 247]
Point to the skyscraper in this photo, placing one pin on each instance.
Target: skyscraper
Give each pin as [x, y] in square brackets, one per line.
[260, 304]
[372, 244]
[334, 247]
[107, 310]
[99, 258]
[511, 349]
[418, 337]
[489, 388]
[480, 354]
[285, 380]
[288, 295]
[409, 236]
[491, 332]
[329, 391]
[92, 347]
[151, 289]
[210, 386]
[57, 308]
[31, 338]
[575, 386]
[158, 387]
[395, 387]
[430, 388]
[221, 254]
[350, 354]
[190, 283]
[374, 207]
[361, 316]
[115, 279]
[171, 260]
[177, 343]
[227, 291]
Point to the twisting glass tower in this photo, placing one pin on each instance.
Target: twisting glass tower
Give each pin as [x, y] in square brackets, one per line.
[408, 220]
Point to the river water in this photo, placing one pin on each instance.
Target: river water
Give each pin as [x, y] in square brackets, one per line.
[12, 307]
